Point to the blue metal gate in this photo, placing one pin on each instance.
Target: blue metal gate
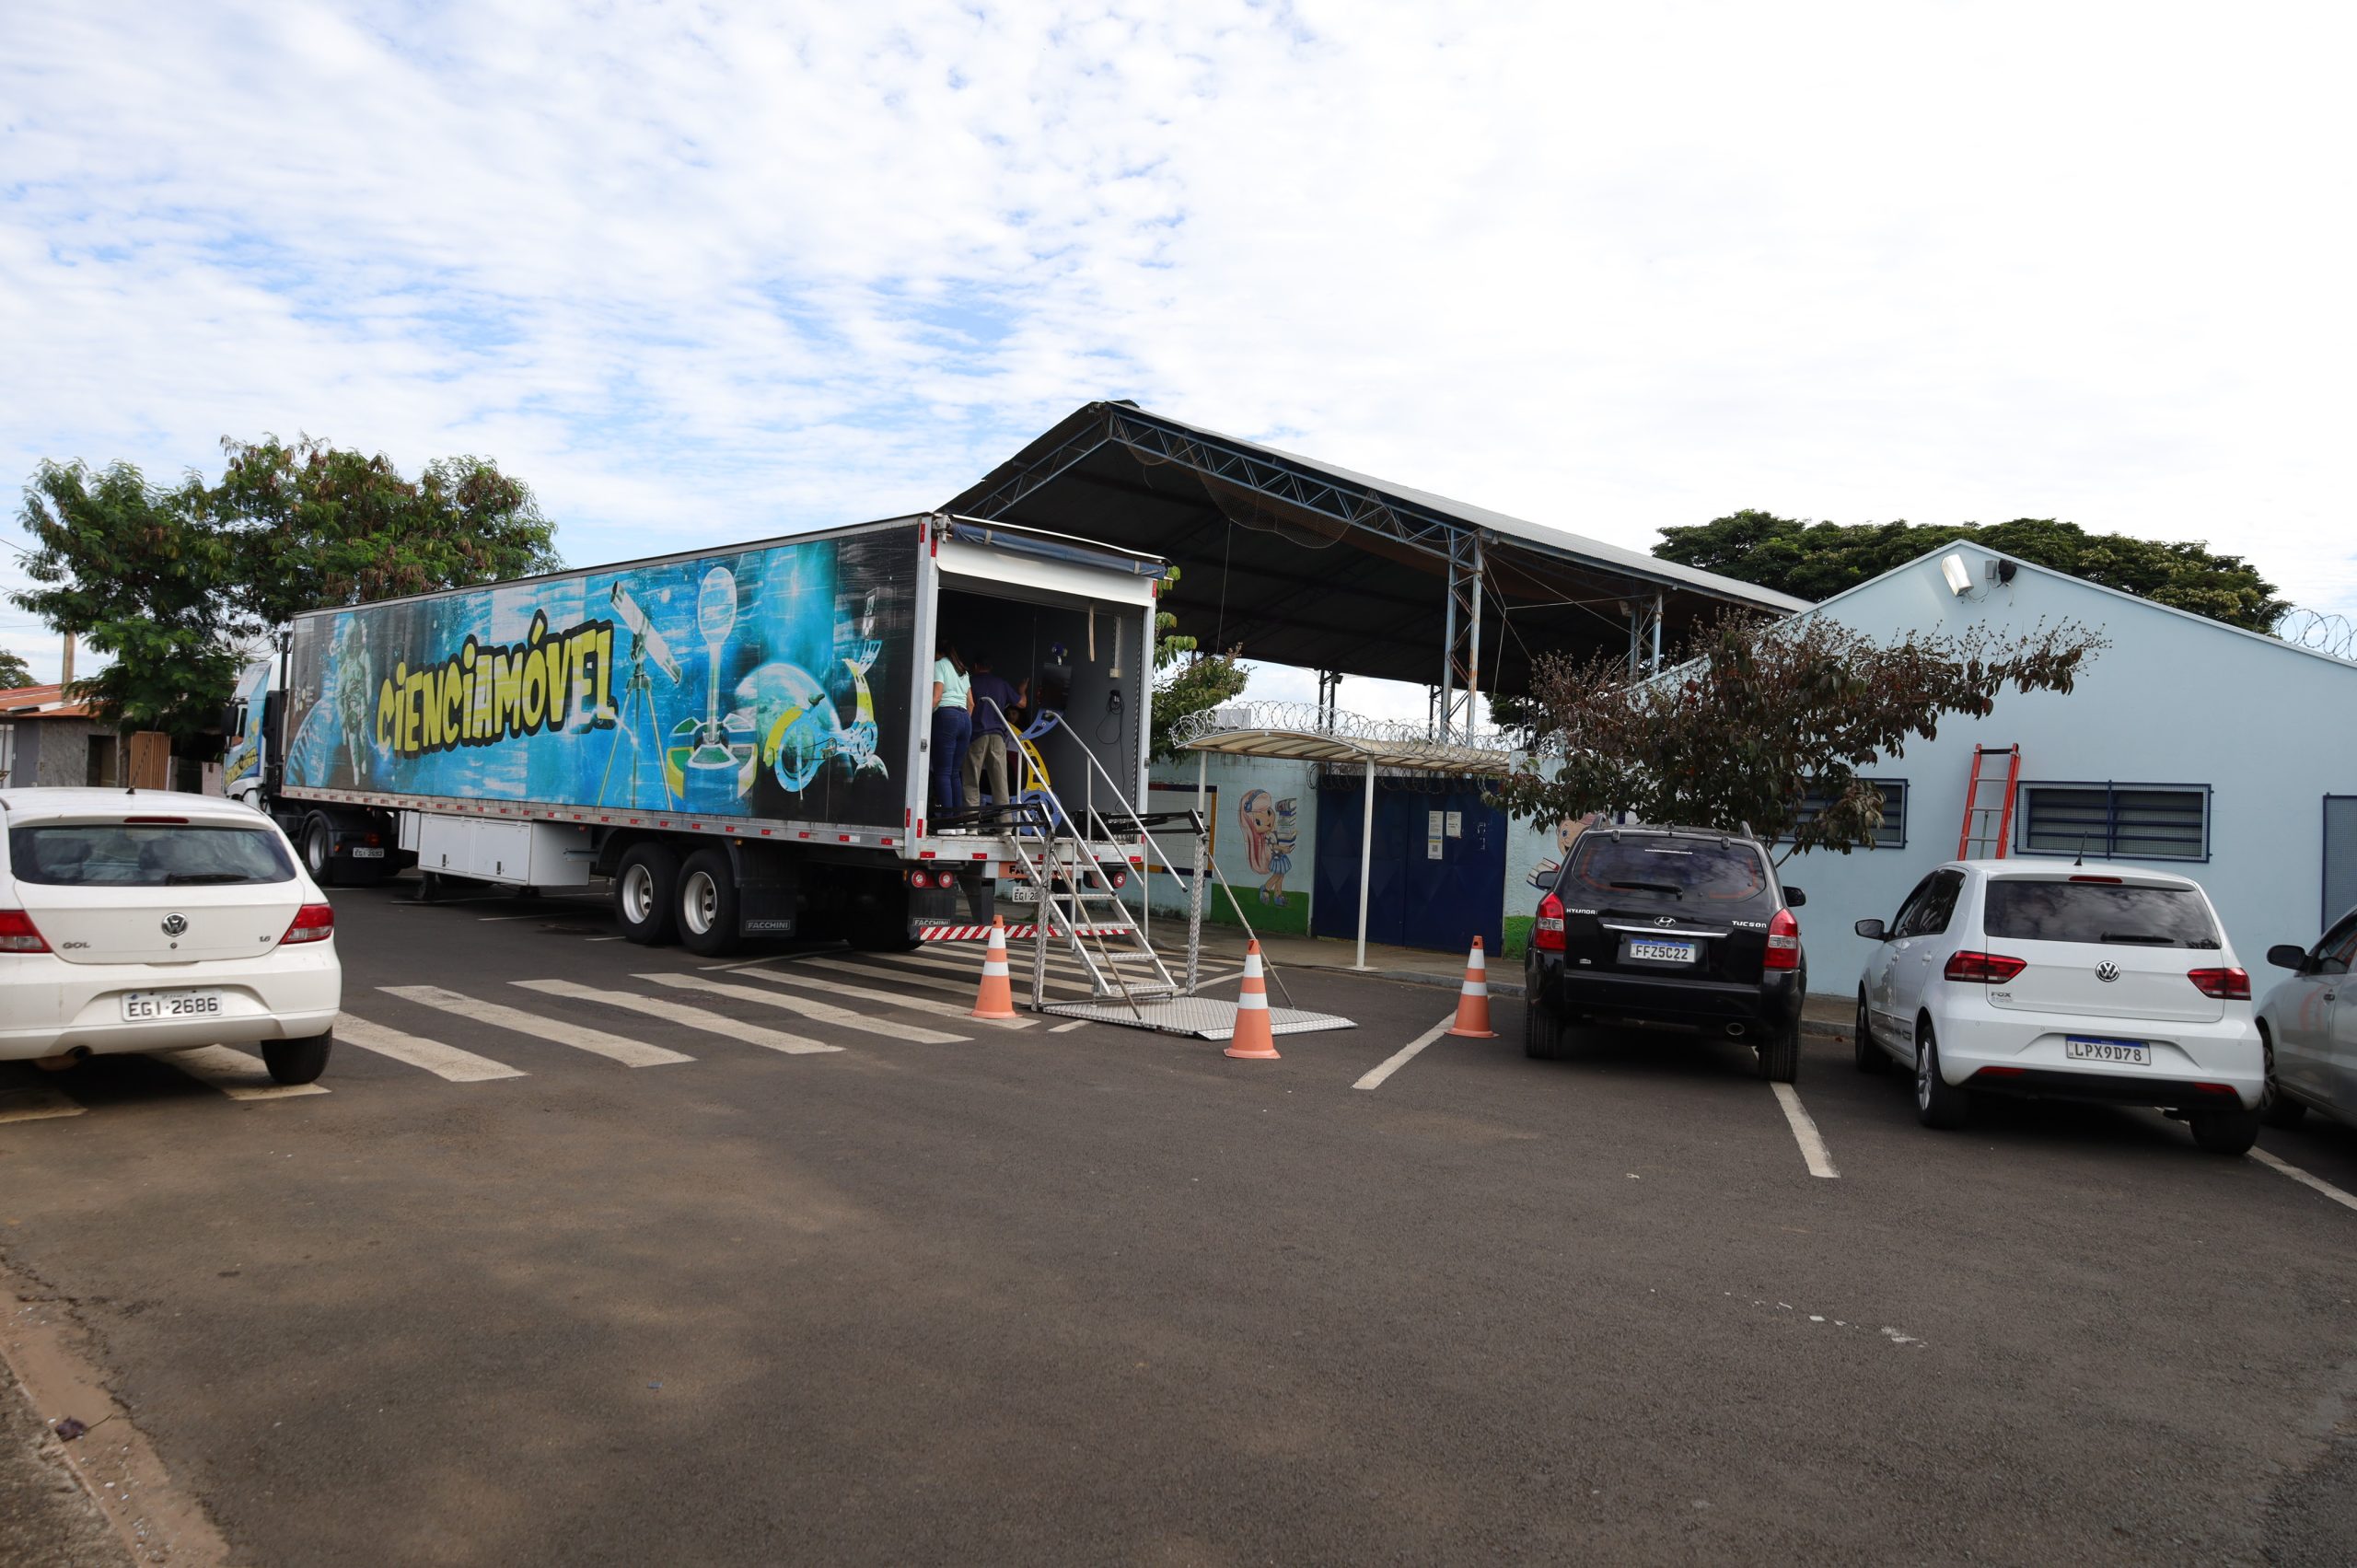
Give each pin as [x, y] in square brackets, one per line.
[1438, 872]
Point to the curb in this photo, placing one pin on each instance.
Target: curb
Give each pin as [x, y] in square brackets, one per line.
[1410, 976]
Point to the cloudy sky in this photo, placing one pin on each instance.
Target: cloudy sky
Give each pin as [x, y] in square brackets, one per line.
[701, 274]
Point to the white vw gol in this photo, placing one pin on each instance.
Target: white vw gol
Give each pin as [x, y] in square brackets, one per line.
[148, 921]
[2048, 979]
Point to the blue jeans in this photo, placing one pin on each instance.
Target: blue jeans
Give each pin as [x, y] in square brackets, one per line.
[952, 731]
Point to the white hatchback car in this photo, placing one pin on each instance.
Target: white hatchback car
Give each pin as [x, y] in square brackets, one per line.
[149, 920]
[2048, 979]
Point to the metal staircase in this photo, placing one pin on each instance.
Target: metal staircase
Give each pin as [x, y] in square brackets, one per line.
[1080, 910]
[1988, 823]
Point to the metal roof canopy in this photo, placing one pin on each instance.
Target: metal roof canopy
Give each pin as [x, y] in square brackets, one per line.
[1302, 563]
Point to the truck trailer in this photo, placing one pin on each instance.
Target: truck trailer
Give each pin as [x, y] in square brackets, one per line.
[738, 739]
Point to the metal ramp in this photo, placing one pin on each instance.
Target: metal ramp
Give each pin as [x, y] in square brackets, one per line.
[1081, 912]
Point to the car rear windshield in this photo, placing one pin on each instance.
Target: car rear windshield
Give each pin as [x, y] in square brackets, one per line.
[146, 855]
[1692, 875]
[2100, 913]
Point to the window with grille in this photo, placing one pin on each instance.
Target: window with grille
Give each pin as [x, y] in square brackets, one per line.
[2108, 821]
[1892, 834]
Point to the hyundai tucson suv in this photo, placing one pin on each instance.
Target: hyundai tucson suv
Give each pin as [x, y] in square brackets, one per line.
[149, 920]
[2040, 979]
[1669, 926]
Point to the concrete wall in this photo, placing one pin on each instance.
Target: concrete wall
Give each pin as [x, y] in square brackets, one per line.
[2175, 700]
[1248, 855]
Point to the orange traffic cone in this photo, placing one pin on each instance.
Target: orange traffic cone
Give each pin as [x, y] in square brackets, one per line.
[1253, 1039]
[1473, 1002]
[996, 999]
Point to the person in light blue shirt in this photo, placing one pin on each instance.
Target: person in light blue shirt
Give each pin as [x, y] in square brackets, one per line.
[953, 728]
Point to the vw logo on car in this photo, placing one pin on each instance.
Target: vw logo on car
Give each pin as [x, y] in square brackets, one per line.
[175, 924]
[2106, 972]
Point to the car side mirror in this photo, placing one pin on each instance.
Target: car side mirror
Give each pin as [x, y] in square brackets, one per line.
[2284, 955]
[1872, 930]
[1794, 898]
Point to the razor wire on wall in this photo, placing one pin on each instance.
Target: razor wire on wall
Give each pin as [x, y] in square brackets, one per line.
[2316, 628]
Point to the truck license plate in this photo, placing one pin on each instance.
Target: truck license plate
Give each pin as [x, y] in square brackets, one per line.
[1655, 950]
[2081, 1048]
[139, 1006]
[363, 853]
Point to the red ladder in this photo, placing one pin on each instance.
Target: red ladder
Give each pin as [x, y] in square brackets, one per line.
[1976, 842]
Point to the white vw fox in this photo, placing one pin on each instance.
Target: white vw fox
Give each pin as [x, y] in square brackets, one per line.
[149, 920]
[2048, 979]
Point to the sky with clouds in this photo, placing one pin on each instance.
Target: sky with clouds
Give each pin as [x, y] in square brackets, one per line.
[701, 274]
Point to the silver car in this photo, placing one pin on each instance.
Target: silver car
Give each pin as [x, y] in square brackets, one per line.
[2308, 1024]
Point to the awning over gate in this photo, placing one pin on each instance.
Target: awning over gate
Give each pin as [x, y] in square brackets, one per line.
[1302, 733]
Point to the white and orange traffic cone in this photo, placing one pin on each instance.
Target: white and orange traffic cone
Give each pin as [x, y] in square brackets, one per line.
[1473, 1002]
[996, 999]
[1253, 1039]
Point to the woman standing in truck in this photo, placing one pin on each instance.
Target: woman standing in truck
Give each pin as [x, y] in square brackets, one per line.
[952, 726]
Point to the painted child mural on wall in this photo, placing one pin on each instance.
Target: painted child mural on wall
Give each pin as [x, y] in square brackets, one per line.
[1271, 828]
[1567, 832]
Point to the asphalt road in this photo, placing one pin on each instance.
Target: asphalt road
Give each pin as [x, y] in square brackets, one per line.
[1101, 1296]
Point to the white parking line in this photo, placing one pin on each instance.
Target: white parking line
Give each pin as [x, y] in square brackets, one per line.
[889, 998]
[839, 1017]
[679, 1013]
[629, 1052]
[442, 1060]
[1405, 1054]
[237, 1075]
[36, 1104]
[2304, 1179]
[1804, 1133]
[1067, 1028]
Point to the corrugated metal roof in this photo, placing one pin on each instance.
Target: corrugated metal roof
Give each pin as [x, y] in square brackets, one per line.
[40, 703]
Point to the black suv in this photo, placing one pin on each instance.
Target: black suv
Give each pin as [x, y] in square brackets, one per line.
[1669, 926]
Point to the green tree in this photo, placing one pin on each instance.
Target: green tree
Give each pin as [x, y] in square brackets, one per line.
[1816, 561]
[1762, 714]
[314, 525]
[13, 670]
[140, 574]
[1186, 679]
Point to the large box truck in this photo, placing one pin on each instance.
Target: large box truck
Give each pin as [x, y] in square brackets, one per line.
[739, 740]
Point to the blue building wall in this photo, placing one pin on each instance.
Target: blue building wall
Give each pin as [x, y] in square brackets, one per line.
[2271, 729]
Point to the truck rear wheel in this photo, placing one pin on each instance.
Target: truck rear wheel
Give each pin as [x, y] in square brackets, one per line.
[644, 886]
[707, 903]
[319, 850]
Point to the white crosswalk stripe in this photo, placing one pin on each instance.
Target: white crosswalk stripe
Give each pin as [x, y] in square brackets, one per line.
[442, 1060]
[618, 1048]
[1067, 976]
[888, 998]
[235, 1073]
[679, 1013]
[37, 1103]
[841, 1018]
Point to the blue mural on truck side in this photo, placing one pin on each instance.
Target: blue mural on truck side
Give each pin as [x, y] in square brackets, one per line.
[757, 683]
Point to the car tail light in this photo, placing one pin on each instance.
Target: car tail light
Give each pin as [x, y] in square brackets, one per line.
[920, 878]
[312, 922]
[2216, 1088]
[1115, 878]
[1994, 969]
[2108, 881]
[2226, 985]
[1784, 942]
[17, 934]
[1547, 935]
[153, 821]
[1998, 1073]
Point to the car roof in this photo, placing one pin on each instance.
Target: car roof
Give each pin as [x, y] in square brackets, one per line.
[1658, 830]
[50, 801]
[2024, 867]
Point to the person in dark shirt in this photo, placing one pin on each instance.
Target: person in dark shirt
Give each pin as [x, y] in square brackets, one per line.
[993, 741]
